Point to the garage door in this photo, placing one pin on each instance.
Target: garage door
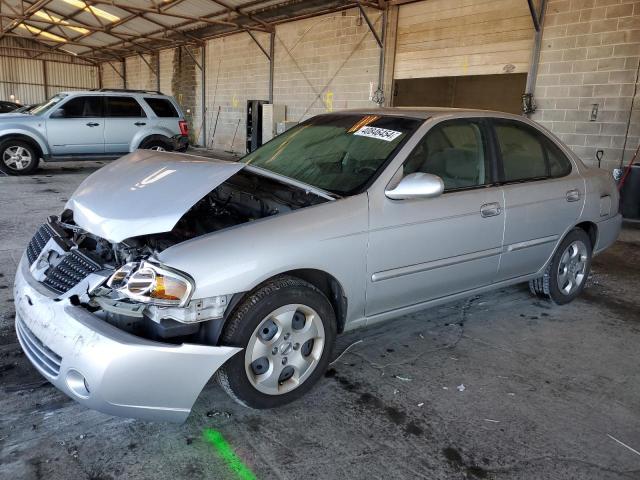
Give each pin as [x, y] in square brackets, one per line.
[444, 38]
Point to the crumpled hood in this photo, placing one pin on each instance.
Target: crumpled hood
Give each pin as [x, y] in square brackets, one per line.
[145, 192]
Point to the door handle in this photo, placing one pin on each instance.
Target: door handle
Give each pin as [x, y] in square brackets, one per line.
[490, 209]
[573, 195]
[139, 124]
[92, 124]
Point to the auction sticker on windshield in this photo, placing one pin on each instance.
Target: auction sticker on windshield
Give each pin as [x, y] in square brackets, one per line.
[379, 133]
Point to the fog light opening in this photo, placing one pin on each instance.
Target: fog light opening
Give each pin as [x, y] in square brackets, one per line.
[77, 384]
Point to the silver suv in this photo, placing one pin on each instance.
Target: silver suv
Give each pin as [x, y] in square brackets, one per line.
[90, 125]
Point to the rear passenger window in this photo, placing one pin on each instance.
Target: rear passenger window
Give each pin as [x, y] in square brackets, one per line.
[523, 155]
[124, 107]
[454, 151]
[161, 107]
[559, 164]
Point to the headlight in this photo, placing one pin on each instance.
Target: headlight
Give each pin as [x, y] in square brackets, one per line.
[150, 283]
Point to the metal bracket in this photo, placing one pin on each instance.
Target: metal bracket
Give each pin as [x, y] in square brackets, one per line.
[186, 49]
[116, 70]
[148, 64]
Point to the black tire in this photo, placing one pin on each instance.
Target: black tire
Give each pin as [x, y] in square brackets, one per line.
[11, 144]
[244, 321]
[156, 144]
[548, 285]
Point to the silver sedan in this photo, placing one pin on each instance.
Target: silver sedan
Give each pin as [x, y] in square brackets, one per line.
[167, 269]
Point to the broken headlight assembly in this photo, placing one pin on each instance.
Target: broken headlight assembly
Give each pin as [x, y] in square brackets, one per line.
[147, 282]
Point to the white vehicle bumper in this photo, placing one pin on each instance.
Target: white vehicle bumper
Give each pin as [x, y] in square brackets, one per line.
[105, 368]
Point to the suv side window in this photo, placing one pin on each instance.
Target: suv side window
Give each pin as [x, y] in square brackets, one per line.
[124, 107]
[455, 151]
[161, 107]
[82, 107]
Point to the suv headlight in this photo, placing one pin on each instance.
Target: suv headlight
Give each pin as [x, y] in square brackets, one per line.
[150, 283]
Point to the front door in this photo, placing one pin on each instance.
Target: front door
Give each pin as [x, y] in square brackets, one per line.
[424, 249]
[544, 195]
[76, 127]
[124, 117]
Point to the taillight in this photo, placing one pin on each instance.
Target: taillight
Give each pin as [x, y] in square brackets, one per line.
[184, 127]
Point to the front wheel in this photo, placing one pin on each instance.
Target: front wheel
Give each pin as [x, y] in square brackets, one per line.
[18, 157]
[565, 277]
[287, 329]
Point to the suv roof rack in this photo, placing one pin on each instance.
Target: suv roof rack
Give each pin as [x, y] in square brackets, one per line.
[127, 90]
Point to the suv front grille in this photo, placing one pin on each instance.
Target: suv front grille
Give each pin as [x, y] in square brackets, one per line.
[74, 267]
[38, 242]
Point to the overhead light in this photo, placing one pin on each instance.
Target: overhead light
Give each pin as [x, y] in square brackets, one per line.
[96, 11]
[60, 21]
[42, 33]
[69, 52]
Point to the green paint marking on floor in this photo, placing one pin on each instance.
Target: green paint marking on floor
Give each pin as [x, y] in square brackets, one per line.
[225, 451]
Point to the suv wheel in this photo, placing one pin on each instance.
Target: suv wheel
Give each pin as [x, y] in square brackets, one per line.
[18, 157]
[567, 273]
[157, 145]
[287, 329]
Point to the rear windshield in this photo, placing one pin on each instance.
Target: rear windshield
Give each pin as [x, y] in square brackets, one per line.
[340, 153]
[161, 107]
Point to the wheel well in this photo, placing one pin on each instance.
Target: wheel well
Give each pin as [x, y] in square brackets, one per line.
[26, 139]
[155, 137]
[592, 230]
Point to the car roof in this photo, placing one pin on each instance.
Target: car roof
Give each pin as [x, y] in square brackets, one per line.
[427, 112]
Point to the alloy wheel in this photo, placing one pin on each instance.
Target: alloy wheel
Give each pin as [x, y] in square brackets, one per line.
[572, 267]
[17, 157]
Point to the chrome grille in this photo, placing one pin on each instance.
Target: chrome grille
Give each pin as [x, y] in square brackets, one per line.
[38, 242]
[40, 355]
[72, 269]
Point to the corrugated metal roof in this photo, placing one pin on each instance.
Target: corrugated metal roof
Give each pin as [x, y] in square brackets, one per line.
[116, 28]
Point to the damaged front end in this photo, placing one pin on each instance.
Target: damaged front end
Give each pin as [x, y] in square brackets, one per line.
[103, 319]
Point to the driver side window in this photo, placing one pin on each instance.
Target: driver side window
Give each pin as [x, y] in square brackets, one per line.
[454, 151]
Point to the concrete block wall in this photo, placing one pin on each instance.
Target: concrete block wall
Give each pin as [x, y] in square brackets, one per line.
[237, 71]
[139, 75]
[166, 71]
[590, 55]
[326, 63]
[111, 79]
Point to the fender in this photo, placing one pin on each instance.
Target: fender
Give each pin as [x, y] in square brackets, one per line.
[37, 134]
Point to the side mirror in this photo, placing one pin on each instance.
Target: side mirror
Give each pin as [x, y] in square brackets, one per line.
[417, 185]
[59, 113]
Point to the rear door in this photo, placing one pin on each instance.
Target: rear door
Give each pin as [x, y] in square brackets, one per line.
[124, 116]
[544, 195]
[424, 249]
[76, 127]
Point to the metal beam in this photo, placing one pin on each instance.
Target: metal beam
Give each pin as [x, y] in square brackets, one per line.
[535, 16]
[371, 27]
[272, 58]
[258, 44]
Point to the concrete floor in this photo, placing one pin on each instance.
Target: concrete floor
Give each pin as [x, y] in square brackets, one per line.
[547, 389]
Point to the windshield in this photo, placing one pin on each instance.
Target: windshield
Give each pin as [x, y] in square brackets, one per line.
[48, 105]
[340, 153]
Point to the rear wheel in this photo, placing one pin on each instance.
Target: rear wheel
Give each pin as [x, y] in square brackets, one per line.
[565, 277]
[18, 157]
[157, 145]
[287, 329]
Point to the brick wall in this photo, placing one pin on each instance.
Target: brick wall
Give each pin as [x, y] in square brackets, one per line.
[326, 63]
[237, 71]
[590, 54]
[166, 71]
